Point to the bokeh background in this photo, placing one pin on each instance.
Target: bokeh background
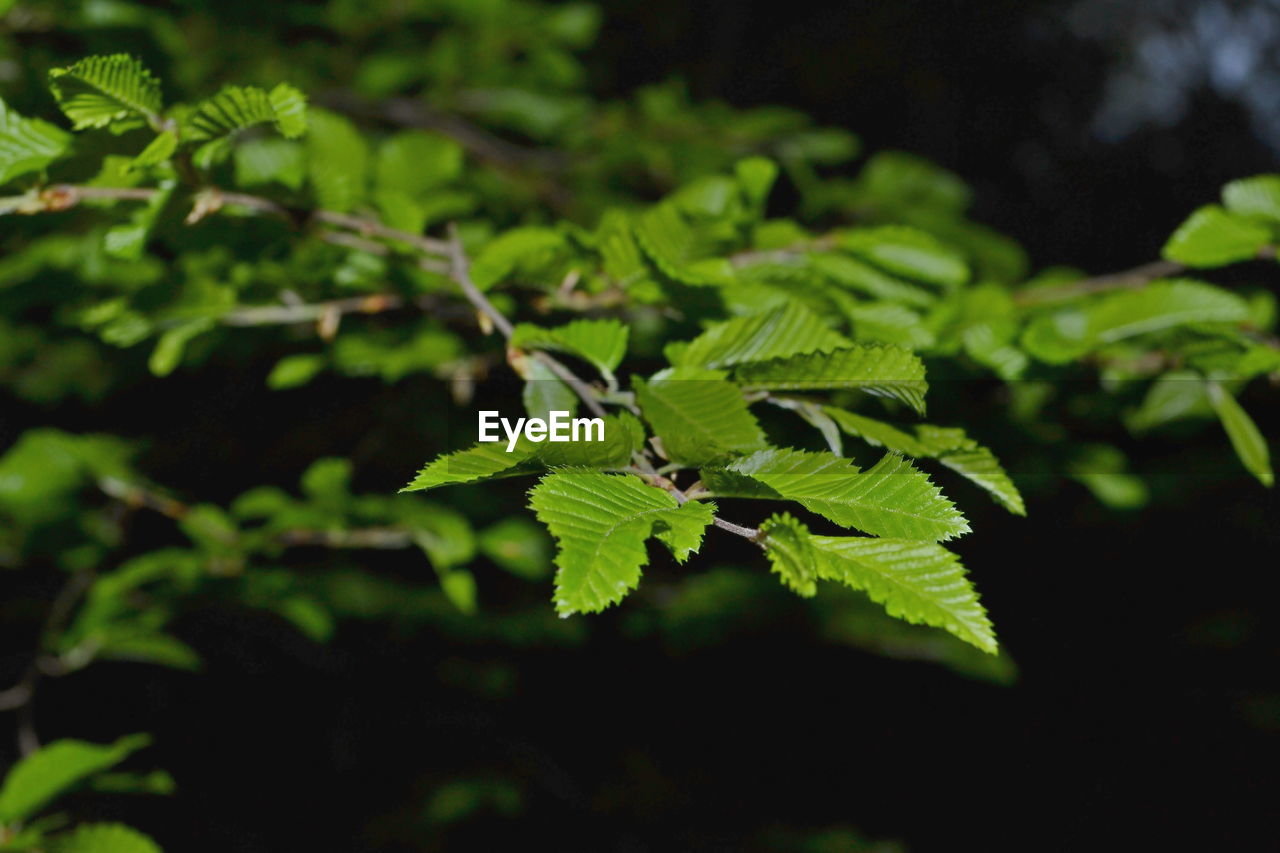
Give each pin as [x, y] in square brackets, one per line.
[1145, 709]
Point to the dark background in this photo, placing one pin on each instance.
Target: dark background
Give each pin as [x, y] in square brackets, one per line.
[1147, 709]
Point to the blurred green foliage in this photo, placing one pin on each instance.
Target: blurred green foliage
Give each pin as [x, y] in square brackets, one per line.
[376, 187]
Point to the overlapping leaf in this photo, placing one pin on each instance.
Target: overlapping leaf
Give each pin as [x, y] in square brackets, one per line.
[1064, 335]
[699, 416]
[600, 523]
[600, 342]
[919, 582]
[1248, 441]
[1212, 237]
[787, 330]
[950, 446]
[237, 108]
[907, 252]
[892, 498]
[27, 144]
[884, 371]
[40, 777]
[102, 838]
[623, 435]
[115, 90]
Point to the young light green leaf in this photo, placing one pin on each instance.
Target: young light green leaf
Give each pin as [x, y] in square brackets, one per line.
[674, 247]
[414, 162]
[852, 274]
[1257, 197]
[699, 415]
[544, 392]
[601, 342]
[27, 144]
[790, 329]
[41, 776]
[889, 323]
[903, 251]
[337, 161]
[504, 255]
[262, 161]
[756, 176]
[890, 499]
[237, 108]
[1176, 395]
[1213, 237]
[919, 582]
[158, 150]
[880, 370]
[168, 352]
[293, 371]
[1064, 335]
[1249, 443]
[949, 446]
[127, 241]
[102, 838]
[623, 435]
[601, 522]
[482, 462]
[518, 545]
[789, 547]
[115, 90]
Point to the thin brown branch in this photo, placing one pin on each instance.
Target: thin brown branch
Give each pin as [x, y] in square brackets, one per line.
[460, 269]
[1127, 280]
[310, 312]
[535, 166]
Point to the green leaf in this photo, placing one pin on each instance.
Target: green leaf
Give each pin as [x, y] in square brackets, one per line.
[600, 342]
[102, 838]
[519, 546]
[851, 274]
[889, 323]
[293, 371]
[903, 251]
[158, 150]
[1176, 395]
[789, 547]
[921, 583]
[1249, 443]
[503, 256]
[337, 161]
[28, 144]
[44, 775]
[168, 352]
[756, 176]
[115, 90]
[263, 161]
[677, 250]
[601, 522]
[787, 330]
[699, 416]
[1257, 197]
[1213, 237]
[949, 446]
[128, 240]
[1065, 335]
[892, 498]
[884, 371]
[544, 392]
[459, 586]
[482, 462]
[237, 108]
[623, 435]
[414, 162]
